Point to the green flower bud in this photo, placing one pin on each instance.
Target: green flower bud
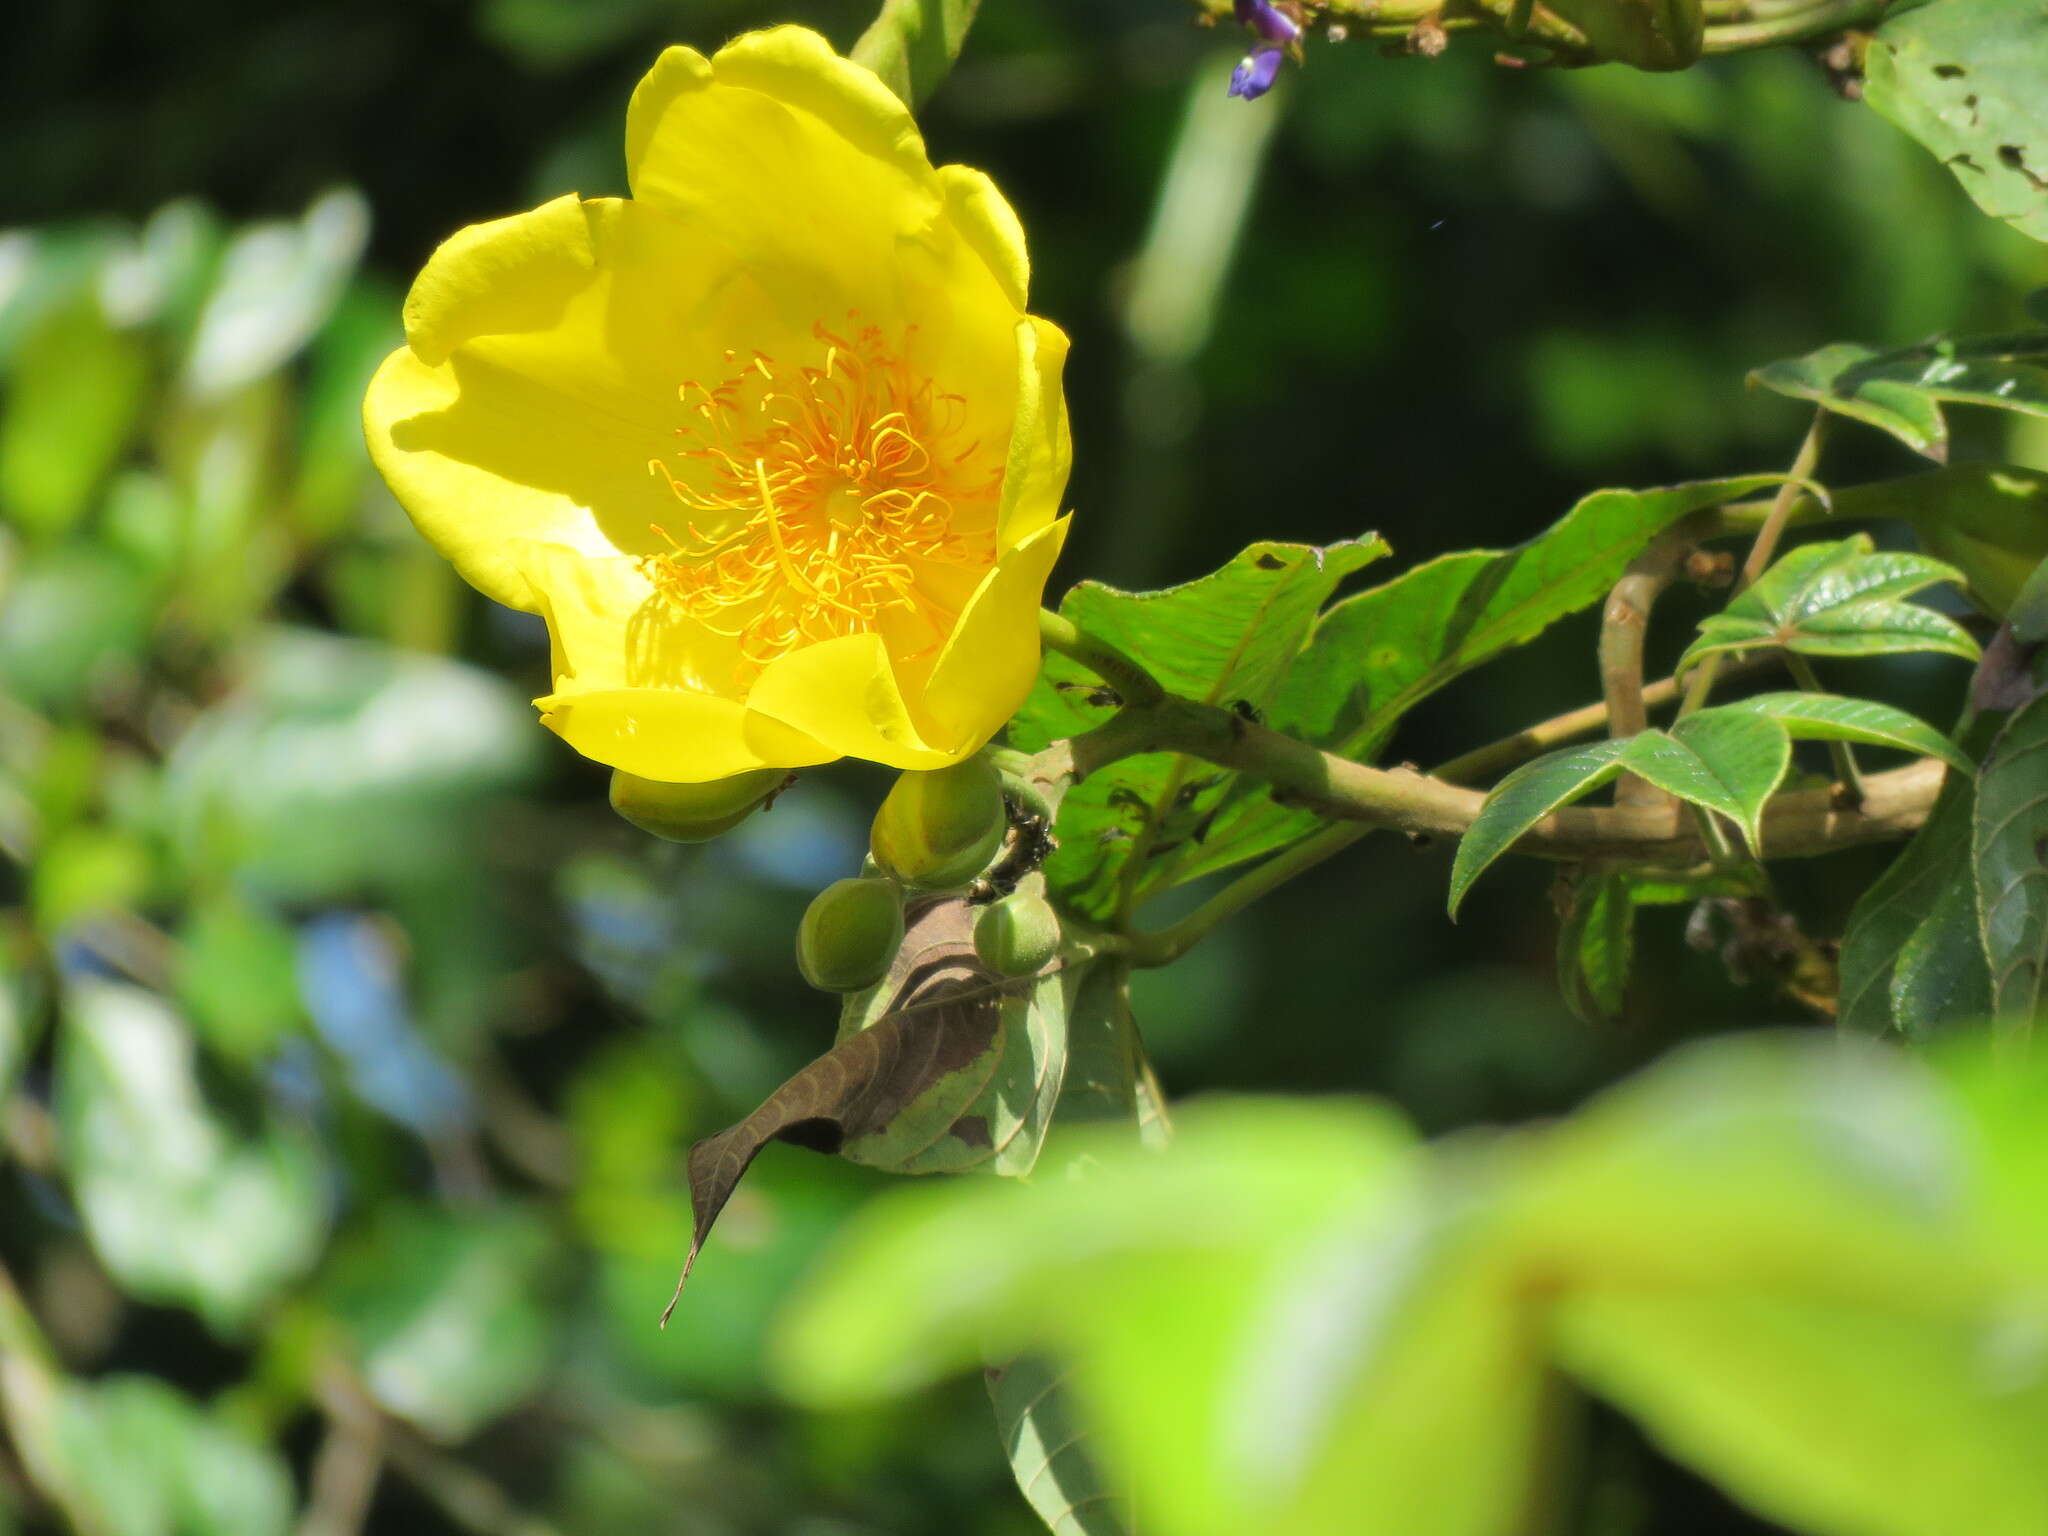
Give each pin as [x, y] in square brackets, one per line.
[693, 813]
[937, 831]
[1017, 935]
[850, 933]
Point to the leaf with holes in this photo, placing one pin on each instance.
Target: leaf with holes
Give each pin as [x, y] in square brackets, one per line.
[1836, 599]
[1524, 798]
[2011, 854]
[1376, 655]
[943, 1067]
[1964, 78]
[1228, 638]
[1831, 717]
[1902, 391]
[1912, 959]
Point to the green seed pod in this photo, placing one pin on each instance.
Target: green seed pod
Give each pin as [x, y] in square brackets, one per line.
[1017, 935]
[938, 830]
[849, 934]
[693, 813]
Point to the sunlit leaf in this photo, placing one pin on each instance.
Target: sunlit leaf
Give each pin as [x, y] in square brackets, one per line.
[1050, 1452]
[1228, 638]
[1964, 78]
[1990, 521]
[180, 1208]
[1902, 391]
[2011, 853]
[1831, 717]
[1373, 657]
[1837, 599]
[1730, 763]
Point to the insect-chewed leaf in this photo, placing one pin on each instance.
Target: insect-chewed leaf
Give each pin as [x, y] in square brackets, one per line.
[941, 1067]
[1964, 78]
[2011, 856]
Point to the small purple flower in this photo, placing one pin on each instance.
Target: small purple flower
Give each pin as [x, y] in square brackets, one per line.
[1255, 73]
[1274, 25]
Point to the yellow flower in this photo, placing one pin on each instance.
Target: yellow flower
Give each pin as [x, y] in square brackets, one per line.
[773, 445]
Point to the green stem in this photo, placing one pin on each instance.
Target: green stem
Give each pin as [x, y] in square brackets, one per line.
[1168, 944]
[1798, 478]
[1132, 682]
[1794, 26]
[1715, 837]
[1840, 753]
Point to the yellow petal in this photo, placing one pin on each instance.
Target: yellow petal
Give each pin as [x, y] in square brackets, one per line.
[674, 735]
[543, 377]
[992, 657]
[786, 152]
[1041, 448]
[844, 693]
[990, 226]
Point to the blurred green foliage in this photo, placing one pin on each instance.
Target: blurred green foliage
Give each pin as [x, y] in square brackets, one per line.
[349, 1046]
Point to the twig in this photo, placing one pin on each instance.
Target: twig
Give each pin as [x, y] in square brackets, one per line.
[1624, 625]
[1131, 681]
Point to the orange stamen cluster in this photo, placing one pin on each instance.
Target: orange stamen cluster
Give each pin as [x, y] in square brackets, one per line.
[822, 496]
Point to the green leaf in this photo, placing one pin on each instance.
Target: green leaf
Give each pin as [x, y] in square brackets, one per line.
[1649, 34]
[2011, 853]
[447, 1312]
[1375, 656]
[1731, 763]
[131, 1456]
[1049, 1450]
[1964, 78]
[77, 387]
[1831, 717]
[236, 974]
[911, 44]
[1878, 1421]
[74, 619]
[1596, 947]
[1837, 599]
[276, 284]
[178, 1207]
[1990, 521]
[2029, 612]
[1227, 638]
[1912, 958]
[275, 782]
[1902, 391]
[1524, 798]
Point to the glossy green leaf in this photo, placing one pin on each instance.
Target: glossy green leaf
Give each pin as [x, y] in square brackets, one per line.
[1730, 763]
[911, 44]
[1524, 798]
[1375, 656]
[1836, 599]
[1964, 78]
[2011, 854]
[1869, 1421]
[147, 1156]
[1228, 638]
[1912, 958]
[1902, 391]
[1831, 717]
[446, 1312]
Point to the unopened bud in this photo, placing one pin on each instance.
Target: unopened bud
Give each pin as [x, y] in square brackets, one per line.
[1018, 935]
[850, 932]
[936, 831]
[693, 813]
